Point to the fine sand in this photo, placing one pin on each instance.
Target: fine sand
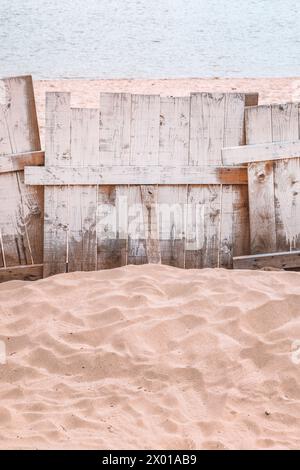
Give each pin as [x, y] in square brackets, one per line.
[85, 93]
[151, 357]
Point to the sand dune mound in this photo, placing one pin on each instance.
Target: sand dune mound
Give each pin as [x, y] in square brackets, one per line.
[151, 357]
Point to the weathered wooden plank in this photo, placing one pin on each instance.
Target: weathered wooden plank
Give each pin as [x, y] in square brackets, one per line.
[145, 120]
[31, 272]
[115, 115]
[120, 175]
[151, 223]
[206, 141]
[82, 240]
[17, 162]
[285, 126]
[203, 227]
[230, 217]
[215, 119]
[57, 152]
[173, 149]
[262, 152]
[112, 227]
[136, 246]
[261, 183]
[283, 260]
[21, 209]
[207, 128]
[241, 225]
[174, 131]
[115, 135]
[251, 99]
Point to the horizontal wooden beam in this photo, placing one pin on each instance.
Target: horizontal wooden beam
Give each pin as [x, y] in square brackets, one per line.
[17, 162]
[119, 175]
[285, 260]
[260, 152]
[30, 272]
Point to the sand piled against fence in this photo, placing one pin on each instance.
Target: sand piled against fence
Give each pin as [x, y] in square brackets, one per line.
[151, 357]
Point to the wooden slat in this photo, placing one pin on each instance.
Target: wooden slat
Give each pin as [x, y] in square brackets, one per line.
[145, 120]
[230, 213]
[145, 111]
[216, 119]
[82, 239]
[21, 207]
[150, 217]
[262, 152]
[273, 195]
[115, 127]
[115, 115]
[282, 260]
[173, 149]
[57, 152]
[17, 162]
[285, 126]
[261, 183]
[206, 140]
[130, 174]
[112, 227]
[31, 272]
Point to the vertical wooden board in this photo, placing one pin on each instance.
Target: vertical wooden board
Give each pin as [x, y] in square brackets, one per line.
[233, 120]
[149, 196]
[172, 222]
[137, 252]
[21, 207]
[82, 240]
[145, 122]
[285, 127]
[112, 227]
[115, 115]
[206, 142]
[251, 99]
[261, 183]
[233, 136]
[11, 227]
[241, 225]
[203, 227]
[21, 115]
[115, 135]
[55, 230]
[207, 128]
[174, 131]
[226, 227]
[173, 150]
[57, 153]
[217, 120]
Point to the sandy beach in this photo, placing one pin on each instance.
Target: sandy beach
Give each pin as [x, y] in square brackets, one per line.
[151, 357]
[85, 93]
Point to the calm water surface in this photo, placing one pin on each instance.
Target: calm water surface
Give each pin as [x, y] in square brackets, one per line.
[149, 38]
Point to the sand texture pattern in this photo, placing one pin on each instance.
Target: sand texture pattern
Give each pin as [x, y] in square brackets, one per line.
[151, 357]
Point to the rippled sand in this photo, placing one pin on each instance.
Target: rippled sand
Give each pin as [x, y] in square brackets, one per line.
[151, 357]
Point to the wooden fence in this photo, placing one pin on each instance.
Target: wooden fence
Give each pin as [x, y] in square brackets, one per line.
[210, 180]
[153, 152]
